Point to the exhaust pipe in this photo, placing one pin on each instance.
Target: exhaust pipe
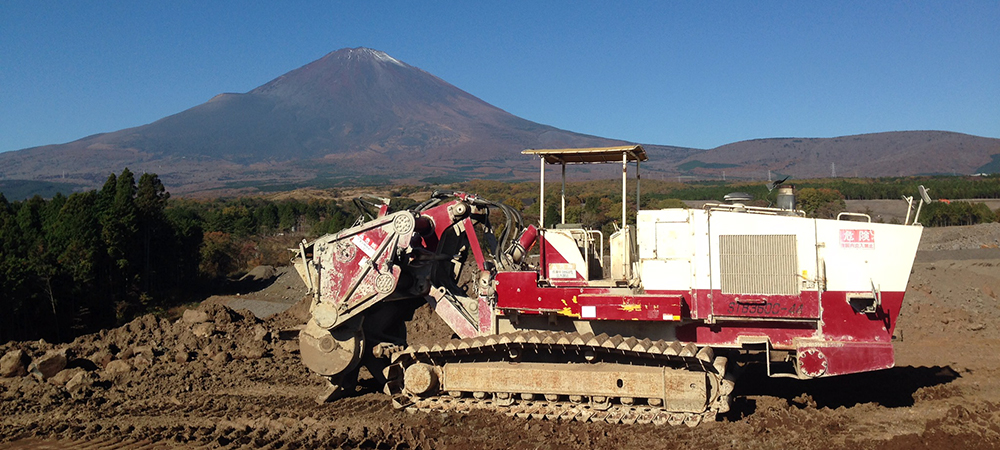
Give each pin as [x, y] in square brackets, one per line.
[786, 197]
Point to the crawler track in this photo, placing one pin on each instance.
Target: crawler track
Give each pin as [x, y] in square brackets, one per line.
[624, 354]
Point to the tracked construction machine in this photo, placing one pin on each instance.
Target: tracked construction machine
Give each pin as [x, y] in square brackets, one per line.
[547, 326]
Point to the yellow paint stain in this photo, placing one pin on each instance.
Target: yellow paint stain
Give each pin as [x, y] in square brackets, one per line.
[568, 312]
[564, 302]
[631, 308]
[574, 299]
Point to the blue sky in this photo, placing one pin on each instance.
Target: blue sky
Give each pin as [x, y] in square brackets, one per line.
[696, 74]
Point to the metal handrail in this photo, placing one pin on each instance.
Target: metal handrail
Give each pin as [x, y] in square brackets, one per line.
[587, 239]
[851, 214]
[599, 233]
[739, 207]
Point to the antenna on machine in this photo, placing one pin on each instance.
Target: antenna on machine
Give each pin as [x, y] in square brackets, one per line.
[924, 198]
[774, 184]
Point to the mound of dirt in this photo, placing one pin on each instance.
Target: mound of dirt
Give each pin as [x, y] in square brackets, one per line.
[265, 291]
[260, 273]
[982, 236]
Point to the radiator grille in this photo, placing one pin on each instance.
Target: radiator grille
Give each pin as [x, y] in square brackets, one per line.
[758, 264]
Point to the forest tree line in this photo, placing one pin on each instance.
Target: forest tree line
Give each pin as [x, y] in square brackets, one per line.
[71, 265]
[76, 264]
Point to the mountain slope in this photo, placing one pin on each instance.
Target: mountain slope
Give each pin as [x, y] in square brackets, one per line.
[349, 101]
[360, 116]
[865, 155]
[353, 113]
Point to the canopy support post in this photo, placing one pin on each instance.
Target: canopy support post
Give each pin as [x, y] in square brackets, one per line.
[541, 196]
[638, 181]
[564, 192]
[624, 184]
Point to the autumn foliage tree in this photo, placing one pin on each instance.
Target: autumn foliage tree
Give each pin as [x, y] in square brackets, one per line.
[820, 203]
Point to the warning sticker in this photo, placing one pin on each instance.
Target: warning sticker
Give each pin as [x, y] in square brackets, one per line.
[857, 238]
[562, 270]
[365, 243]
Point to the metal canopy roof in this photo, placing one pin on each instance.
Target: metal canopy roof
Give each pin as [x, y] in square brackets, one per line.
[589, 155]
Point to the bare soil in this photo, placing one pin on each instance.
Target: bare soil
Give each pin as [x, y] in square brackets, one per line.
[228, 379]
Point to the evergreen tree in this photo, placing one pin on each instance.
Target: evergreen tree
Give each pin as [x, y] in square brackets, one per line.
[267, 218]
[119, 226]
[150, 201]
[76, 242]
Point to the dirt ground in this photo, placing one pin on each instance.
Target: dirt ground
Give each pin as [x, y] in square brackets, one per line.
[220, 377]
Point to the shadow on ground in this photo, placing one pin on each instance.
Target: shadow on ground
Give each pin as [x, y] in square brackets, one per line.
[892, 388]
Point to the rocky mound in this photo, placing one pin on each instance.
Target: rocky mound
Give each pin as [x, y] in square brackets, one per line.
[146, 364]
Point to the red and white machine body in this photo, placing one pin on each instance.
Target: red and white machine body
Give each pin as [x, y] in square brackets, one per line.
[826, 291]
[641, 328]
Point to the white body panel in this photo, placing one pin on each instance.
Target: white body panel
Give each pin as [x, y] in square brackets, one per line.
[884, 259]
[575, 266]
[679, 249]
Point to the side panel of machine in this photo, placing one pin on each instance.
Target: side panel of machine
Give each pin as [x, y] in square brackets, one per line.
[666, 249]
[560, 258]
[731, 264]
[763, 266]
[867, 267]
[519, 292]
[674, 256]
[744, 278]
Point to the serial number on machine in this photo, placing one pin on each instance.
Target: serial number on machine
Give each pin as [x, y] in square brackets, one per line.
[766, 309]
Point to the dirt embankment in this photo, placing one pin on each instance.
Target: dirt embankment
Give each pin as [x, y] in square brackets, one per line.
[219, 377]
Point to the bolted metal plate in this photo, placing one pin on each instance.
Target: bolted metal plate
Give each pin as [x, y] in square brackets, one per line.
[812, 363]
[403, 223]
[385, 283]
[344, 251]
